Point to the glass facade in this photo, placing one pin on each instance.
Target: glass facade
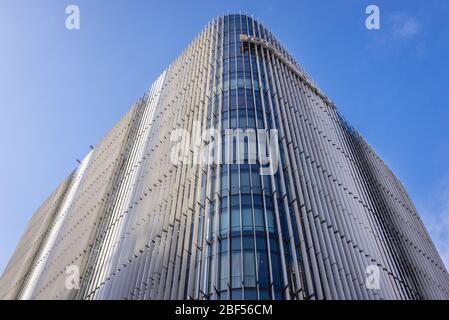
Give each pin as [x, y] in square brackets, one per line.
[139, 226]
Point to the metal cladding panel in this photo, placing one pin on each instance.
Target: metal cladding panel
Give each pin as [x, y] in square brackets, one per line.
[77, 231]
[71, 241]
[20, 263]
[141, 226]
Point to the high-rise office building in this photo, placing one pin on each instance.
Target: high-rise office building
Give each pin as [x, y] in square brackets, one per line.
[160, 210]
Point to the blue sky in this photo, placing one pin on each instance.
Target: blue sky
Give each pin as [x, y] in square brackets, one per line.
[61, 90]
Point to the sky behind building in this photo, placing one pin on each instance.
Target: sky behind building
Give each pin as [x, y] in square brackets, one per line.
[61, 90]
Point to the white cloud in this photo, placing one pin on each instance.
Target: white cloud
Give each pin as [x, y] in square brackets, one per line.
[398, 30]
[435, 214]
[403, 26]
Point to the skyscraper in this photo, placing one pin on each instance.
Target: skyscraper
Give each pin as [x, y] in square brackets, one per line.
[159, 209]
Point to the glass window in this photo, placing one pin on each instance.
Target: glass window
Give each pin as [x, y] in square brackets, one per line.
[257, 200]
[235, 243]
[212, 223]
[248, 242]
[226, 66]
[232, 50]
[261, 242]
[262, 260]
[224, 154]
[250, 28]
[233, 82]
[244, 175]
[235, 201]
[211, 266]
[224, 271]
[264, 294]
[274, 245]
[276, 266]
[225, 123]
[224, 221]
[241, 84]
[231, 22]
[225, 85]
[246, 200]
[250, 294]
[235, 219]
[267, 184]
[237, 294]
[250, 103]
[233, 120]
[260, 121]
[271, 220]
[225, 105]
[234, 179]
[256, 85]
[247, 218]
[223, 295]
[224, 245]
[236, 270]
[255, 177]
[224, 182]
[258, 219]
[240, 63]
[232, 63]
[249, 269]
[242, 120]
